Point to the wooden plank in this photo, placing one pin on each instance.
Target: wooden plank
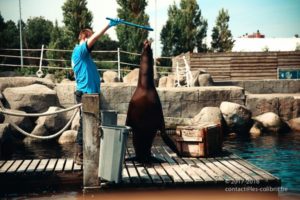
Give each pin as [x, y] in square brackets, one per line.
[228, 171]
[15, 166]
[125, 175]
[133, 174]
[168, 154]
[60, 165]
[24, 166]
[142, 172]
[42, 165]
[188, 170]
[68, 165]
[244, 169]
[77, 167]
[198, 170]
[234, 169]
[51, 165]
[266, 175]
[168, 168]
[208, 171]
[32, 166]
[5, 166]
[216, 169]
[2, 163]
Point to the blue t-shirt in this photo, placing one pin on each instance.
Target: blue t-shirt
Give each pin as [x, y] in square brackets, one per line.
[86, 74]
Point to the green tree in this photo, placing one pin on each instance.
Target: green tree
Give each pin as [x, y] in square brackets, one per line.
[184, 30]
[76, 17]
[222, 40]
[38, 32]
[60, 39]
[131, 38]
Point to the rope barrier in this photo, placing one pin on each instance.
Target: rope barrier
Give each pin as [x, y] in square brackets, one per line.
[48, 137]
[4, 111]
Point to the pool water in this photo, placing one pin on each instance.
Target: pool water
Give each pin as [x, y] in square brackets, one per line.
[278, 154]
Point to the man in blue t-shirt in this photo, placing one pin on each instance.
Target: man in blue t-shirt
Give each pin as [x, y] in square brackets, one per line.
[86, 73]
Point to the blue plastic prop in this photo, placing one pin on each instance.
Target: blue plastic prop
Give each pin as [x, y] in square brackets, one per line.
[132, 24]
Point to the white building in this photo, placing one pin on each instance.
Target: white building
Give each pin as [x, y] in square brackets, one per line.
[265, 44]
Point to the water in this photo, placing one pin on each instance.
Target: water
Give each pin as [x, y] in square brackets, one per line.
[278, 154]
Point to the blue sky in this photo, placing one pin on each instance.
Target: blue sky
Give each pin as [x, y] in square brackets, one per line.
[274, 18]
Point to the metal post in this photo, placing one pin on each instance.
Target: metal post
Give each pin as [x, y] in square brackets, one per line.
[119, 65]
[21, 41]
[91, 140]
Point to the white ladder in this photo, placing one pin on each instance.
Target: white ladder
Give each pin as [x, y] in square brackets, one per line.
[184, 72]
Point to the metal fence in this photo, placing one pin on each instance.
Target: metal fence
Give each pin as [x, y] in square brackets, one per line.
[120, 66]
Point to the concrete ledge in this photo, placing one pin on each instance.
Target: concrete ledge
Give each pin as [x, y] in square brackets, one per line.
[266, 86]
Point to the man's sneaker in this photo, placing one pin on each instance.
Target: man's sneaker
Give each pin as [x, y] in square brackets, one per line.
[78, 157]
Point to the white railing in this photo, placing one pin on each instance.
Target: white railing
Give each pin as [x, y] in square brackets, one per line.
[120, 66]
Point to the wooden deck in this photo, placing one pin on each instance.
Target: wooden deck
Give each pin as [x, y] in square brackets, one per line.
[224, 171]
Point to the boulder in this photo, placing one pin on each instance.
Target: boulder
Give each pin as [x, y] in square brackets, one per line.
[53, 123]
[50, 77]
[271, 122]
[33, 98]
[6, 139]
[9, 82]
[209, 115]
[294, 124]
[170, 81]
[38, 130]
[205, 80]
[110, 76]
[25, 123]
[48, 125]
[257, 129]
[76, 122]
[237, 117]
[195, 75]
[132, 77]
[68, 137]
[163, 81]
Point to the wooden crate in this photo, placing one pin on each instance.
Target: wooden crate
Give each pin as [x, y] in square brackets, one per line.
[198, 141]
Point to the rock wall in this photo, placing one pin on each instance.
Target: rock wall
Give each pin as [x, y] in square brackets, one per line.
[185, 103]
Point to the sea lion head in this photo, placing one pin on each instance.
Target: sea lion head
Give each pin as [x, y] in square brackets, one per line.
[147, 55]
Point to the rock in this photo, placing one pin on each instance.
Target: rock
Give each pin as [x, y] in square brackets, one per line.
[25, 123]
[257, 129]
[132, 77]
[270, 121]
[76, 122]
[38, 130]
[294, 124]
[110, 76]
[171, 81]
[34, 98]
[9, 74]
[68, 137]
[208, 114]
[53, 123]
[9, 82]
[50, 77]
[205, 80]
[2, 118]
[6, 140]
[65, 81]
[163, 81]
[237, 117]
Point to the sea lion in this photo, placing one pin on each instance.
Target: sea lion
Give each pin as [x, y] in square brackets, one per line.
[145, 115]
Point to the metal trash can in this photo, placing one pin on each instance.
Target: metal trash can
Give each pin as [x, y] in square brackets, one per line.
[109, 117]
[112, 152]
